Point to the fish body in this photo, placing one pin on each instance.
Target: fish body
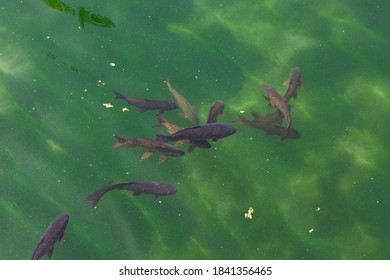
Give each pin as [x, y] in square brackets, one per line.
[188, 111]
[276, 100]
[270, 128]
[293, 83]
[215, 110]
[155, 188]
[212, 131]
[54, 232]
[172, 128]
[151, 145]
[148, 104]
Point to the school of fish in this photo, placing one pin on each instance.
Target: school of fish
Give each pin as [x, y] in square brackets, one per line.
[196, 135]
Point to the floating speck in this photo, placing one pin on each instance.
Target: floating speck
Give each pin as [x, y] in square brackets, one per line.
[101, 83]
[248, 215]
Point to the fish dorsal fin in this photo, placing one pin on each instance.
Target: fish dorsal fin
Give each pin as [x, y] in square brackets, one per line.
[147, 154]
[163, 157]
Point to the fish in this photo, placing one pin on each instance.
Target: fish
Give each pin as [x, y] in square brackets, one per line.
[275, 117]
[276, 100]
[212, 131]
[215, 110]
[270, 128]
[188, 111]
[138, 188]
[172, 128]
[293, 83]
[148, 104]
[152, 146]
[54, 232]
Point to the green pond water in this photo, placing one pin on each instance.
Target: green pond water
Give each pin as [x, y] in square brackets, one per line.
[323, 196]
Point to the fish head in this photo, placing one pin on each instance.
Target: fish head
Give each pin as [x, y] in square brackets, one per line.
[294, 134]
[230, 130]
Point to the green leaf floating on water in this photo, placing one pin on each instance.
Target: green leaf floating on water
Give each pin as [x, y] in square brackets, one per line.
[58, 5]
[93, 18]
[85, 16]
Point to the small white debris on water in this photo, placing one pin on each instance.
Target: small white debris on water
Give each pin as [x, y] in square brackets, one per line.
[125, 109]
[112, 64]
[108, 105]
[318, 209]
[242, 111]
[311, 230]
[101, 83]
[248, 215]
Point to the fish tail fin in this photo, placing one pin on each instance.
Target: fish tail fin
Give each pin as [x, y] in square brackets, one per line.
[163, 138]
[118, 95]
[166, 80]
[120, 139]
[161, 120]
[121, 142]
[94, 197]
[98, 194]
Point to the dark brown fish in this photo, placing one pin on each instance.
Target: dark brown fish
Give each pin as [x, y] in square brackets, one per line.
[293, 83]
[215, 110]
[54, 232]
[270, 128]
[152, 146]
[172, 128]
[188, 111]
[276, 100]
[155, 188]
[212, 131]
[148, 104]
